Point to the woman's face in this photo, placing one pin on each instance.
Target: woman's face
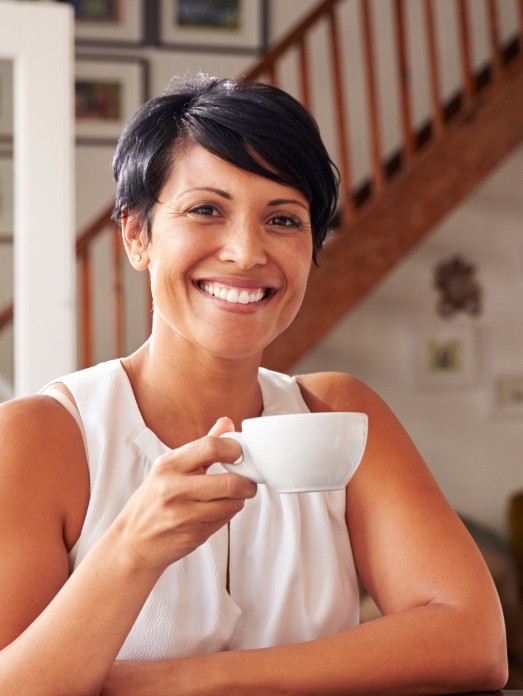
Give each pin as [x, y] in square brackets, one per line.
[229, 255]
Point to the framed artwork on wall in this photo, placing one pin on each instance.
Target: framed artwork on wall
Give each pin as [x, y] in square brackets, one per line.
[109, 22]
[508, 395]
[219, 25]
[6, 100]
[445, 356]
[108, 91]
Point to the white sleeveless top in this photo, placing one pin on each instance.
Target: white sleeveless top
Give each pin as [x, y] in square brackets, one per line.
[291, 570]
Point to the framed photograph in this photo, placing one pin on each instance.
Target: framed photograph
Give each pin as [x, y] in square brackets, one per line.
[508, 395]
[445, 357]
[108, 91]
[218, 25]
[6, 100]
[6, 198]
[109, 22]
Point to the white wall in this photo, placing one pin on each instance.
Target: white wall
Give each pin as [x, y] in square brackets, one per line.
[474, 451]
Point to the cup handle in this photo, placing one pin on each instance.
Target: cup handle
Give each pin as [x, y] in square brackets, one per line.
[241, 466]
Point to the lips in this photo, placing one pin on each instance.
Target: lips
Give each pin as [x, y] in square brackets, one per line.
[234, 295]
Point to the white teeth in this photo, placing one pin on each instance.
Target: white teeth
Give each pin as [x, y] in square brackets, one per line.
[233, 295]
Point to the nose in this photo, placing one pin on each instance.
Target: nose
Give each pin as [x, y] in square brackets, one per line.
[244, 245]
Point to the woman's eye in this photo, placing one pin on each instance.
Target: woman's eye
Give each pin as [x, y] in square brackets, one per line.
[203, 209]
[285, 221]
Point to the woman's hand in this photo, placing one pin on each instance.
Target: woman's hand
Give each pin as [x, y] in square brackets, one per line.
[179, 506]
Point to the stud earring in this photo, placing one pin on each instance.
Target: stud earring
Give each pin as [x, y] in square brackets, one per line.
[137, 258]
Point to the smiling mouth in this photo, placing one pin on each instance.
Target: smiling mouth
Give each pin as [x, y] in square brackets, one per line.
[234, 295]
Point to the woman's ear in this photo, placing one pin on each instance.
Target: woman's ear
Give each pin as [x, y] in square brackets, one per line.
[135, 240]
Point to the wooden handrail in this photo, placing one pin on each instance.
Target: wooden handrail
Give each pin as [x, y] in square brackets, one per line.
[327, 13]
[290, 39]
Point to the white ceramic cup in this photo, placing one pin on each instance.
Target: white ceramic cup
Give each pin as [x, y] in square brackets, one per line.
[301, 452]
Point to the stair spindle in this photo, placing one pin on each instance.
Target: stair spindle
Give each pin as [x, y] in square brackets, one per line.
[341, 117]
[465, 45]
[273, 75]
[434, 73]
[493, 30]
[404, 78]
[86, 354]
[372, 99]
[305, 93]
[118, 298]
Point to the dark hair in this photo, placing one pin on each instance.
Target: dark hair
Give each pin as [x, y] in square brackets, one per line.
[244, 123]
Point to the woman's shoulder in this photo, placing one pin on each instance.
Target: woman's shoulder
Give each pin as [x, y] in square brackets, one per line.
[337, 391]
[32, 421]
[43, 460]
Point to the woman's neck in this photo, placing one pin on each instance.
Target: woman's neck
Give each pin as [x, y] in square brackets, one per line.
[181, 396]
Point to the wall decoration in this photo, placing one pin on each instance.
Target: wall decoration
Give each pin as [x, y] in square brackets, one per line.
[218, 25]
[508, 395]
[108, 91]
[107, 22]
[6, 100]
[459, 290]
[445, 356]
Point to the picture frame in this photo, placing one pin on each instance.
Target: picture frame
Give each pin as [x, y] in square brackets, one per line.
[507, 395]
[109, 22]
[108, 90]
[6, 100]
[6, 197]
[233, 26]
[445, 356]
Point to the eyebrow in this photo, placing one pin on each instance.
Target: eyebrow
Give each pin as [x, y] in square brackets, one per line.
[227, 196]
[219, 192]
[285, 201]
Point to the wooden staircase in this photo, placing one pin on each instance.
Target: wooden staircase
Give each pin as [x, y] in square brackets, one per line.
[383, 215]
[436, 167]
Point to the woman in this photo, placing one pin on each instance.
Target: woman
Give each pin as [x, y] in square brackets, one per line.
[130, 568]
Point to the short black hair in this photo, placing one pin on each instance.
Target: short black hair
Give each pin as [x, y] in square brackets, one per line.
[244, 123]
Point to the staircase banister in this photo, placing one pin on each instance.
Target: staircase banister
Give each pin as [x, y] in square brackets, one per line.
[93, 230]
[6, 315]
[295, 35]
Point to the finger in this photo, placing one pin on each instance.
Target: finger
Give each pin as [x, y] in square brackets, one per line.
[196, 456]
[222, 486]
[175, 489]
[222, 425]
[211, 512]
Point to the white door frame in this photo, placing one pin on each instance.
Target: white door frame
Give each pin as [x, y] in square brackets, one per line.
[39, 39]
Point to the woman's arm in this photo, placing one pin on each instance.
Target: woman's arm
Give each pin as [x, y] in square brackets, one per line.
[442, 629]
[60, 634]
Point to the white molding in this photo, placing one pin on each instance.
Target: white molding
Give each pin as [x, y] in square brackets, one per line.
[39, 38]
